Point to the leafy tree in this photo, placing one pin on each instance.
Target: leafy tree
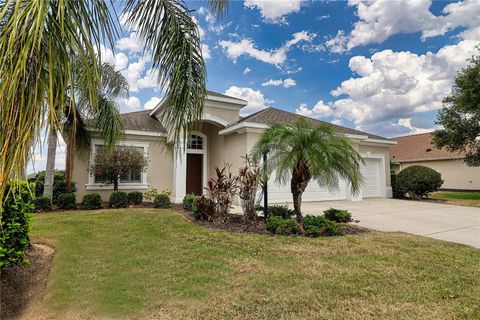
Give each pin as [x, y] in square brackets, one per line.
[302, 152]
[118, 162]
[41, 40]
[460, 115]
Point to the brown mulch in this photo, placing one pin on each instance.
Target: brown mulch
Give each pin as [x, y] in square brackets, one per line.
[21, 285]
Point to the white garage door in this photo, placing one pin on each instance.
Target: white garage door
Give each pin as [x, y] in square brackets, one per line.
[313, 192]
[371, 186]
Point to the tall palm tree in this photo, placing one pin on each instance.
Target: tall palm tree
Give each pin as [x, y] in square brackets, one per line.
[104, 116]
[302, 152]
[37, 39]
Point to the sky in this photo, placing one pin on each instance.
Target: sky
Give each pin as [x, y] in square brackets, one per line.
[377, 66]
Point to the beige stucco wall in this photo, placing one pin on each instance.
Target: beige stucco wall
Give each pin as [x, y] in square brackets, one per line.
[223, 111]
[377, 150]
[159, 172]
[455, 173]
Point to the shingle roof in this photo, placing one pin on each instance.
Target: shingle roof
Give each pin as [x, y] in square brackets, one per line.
[141, 121]
[273, 115]
[419, 147]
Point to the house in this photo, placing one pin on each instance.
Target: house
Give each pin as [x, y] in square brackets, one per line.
[418, 150]
[223, 137]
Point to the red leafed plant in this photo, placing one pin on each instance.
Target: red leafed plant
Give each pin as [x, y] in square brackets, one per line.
[221, 189]
[249, 180]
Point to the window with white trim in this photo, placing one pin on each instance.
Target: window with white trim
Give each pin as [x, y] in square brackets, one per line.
[133, 176]
[195, 142]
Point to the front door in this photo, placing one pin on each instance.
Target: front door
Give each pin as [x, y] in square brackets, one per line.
[194, 173]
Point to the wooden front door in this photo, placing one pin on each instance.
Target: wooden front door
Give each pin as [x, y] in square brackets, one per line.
[194, 173]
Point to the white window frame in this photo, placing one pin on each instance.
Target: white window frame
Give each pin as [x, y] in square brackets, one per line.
[143, 185]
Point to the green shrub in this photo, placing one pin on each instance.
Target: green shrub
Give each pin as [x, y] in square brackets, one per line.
[92, 201]
[279, 225]
[135, 197]
[42, 204]
[397, 194]
[118, 199]
[14, 240]
[60, 187]
[162, 200]
[67, 201]
[315, 226]
[418, 181]
[280, 211]
[204, 208]
[150, 194]
[189, 202]
[338, 215]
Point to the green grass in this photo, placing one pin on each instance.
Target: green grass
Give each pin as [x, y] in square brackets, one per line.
[147, 263]
[471, 199]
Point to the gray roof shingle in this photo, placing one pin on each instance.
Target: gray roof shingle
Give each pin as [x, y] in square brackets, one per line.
[141, 121]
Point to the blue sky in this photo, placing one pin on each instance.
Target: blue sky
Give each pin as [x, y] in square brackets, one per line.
[377, 66]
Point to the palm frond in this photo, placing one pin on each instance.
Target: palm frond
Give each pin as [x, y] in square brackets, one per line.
[218, 7]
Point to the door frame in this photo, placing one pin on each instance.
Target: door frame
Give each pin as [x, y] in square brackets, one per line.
[204, 153]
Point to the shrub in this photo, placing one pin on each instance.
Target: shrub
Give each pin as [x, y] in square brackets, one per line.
[315, 226]
[14, 225]
[92, 201]
[162, 200]
[150, 194]
[418, 181]
[221, 189]
[204, 208]
[42, 204]
[189, 202]
[60, 187]
[67, 201]
[118, 199]
[397, 194]
[280, 211]
[249, 180]
[279, 225]
[135, 197]
[338, 215]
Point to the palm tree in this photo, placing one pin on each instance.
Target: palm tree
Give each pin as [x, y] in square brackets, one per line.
[104, 117]
[37, 39]
[302, 152]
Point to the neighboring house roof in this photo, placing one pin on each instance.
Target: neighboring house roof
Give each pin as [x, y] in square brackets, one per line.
[273, 115]
[141, 121]
[418, 147]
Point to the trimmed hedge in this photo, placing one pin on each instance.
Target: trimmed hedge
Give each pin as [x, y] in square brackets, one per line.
[14, 240]
[189, 202]
[418, 181]
[67, 201]
[338, 215]
[135, 197]
[279, 225]
[42, 204]
[161, 200]
[92, 201]
[316, 226]
[118, 199]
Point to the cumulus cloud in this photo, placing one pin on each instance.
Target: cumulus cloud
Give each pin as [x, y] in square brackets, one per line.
[392, 90]
[130, 44]
[380, 19]
[205, 51]
[152, 103]
[129, 104]
[256, 99]
[275, 11]
[319, 110]
[277, 57]
[289, 82]
[119, 60]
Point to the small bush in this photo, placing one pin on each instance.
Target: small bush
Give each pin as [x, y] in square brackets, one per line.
[280, 211]
[92, 201]
[162, 200]
[135, 197]
[279, 225]
[118, 199]
[315, 226]
[14, 225]
[67, 201]
[150, 194]
[60, 187]
[189, 202]
[418, 181]
[397, 194]
[42, 204]
[338, 215]
[203, 209]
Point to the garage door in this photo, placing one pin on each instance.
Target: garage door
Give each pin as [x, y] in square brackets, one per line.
[371, 186]
[313, 192]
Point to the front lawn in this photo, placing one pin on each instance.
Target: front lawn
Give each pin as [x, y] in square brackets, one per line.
[148, 263]
[460, 198]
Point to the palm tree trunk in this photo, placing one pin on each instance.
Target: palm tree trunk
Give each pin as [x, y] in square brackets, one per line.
[297, 205]
[50, 168]
[70, 151]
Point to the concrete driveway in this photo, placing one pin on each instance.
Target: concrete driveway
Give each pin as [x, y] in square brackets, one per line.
[440, 221]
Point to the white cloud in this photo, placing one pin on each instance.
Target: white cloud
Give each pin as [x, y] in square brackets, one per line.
[380, 19]
[129, 104]
[246, 70]
[137, 77]
[130, 44]
[205, 51]
[256, 99]
[323, 17]
[391, 86]
[289, 82]
[276, 57]
[119, 60]
[152, 103]
[320, 110]
[201, 32]
[275, 11]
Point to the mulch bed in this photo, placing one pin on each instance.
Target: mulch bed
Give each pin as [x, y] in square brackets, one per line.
[22, 284]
